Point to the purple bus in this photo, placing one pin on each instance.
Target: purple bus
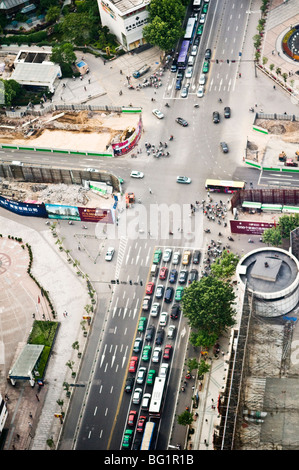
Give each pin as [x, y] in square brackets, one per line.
[183, 55]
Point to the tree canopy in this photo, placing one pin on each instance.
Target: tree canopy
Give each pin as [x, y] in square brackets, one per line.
[165, 26]
[208, 306]
[79, 28]
[63, 54]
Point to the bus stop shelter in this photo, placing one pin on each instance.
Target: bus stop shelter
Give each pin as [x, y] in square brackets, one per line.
[23, 368]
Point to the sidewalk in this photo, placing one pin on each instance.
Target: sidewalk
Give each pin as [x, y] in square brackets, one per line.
[281, 17]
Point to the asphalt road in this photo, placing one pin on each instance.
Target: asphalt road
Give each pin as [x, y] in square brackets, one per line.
[195, 152]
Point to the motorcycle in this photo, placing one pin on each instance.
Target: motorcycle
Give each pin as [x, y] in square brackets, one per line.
[171, 137]
[230, 238]
[196, 106]
[207, 230]
[167, 105]
[251, 109]
[84, 226]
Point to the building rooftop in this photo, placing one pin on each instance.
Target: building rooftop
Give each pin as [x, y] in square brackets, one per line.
[268, 270]
[127, 5]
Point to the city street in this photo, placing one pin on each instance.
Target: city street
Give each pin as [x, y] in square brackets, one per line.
[98, 412]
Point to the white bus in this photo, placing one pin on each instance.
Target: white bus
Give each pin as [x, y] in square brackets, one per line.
[147, 436]
[157, 397]
[196, 5]
[190, 29]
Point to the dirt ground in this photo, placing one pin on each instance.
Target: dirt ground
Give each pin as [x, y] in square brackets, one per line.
[83, 130]
[282, 136]
[73, 195]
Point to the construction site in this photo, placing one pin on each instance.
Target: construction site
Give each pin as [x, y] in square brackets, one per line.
[86, 129]
[278, 137]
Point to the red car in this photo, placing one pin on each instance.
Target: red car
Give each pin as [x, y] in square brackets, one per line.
[163, 273]
[149, 288]
[167, 351]
[141, 423]
[133, 364]
[132, 418]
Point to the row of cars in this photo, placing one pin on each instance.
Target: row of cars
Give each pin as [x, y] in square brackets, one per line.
[153, 345]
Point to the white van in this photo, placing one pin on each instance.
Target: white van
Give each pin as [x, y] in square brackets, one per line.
[191, 60]
[15, 162]
[154, 270]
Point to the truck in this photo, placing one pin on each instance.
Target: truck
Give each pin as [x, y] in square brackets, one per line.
[141, 71]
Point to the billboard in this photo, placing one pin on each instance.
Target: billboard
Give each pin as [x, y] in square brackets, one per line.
[95, 214]
[250, 228]
[58, 211]
[23, 208]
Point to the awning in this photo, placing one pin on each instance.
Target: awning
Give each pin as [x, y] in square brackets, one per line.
[290, 209]
[271, 207]
[251, 204]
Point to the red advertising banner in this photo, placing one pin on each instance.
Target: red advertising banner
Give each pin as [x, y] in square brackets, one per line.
[95, 214]
[250, 228]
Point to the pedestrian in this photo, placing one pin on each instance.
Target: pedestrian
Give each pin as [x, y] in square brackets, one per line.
[150, 191]
[85, 88]
[37, 397]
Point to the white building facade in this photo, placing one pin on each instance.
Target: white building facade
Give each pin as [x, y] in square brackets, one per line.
[125, 19]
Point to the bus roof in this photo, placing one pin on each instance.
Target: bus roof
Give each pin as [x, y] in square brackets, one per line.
[147, 436]
[225, 183]
[157, 395]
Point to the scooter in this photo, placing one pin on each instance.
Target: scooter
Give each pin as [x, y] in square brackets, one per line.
[207, 230]
[196, 106]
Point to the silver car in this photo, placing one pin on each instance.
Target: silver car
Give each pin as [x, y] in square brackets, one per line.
[176, 257]
[167, 255]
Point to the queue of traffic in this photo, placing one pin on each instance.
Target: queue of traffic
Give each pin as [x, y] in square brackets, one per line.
[154, 345]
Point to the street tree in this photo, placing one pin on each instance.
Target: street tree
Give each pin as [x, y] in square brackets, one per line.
[225, 265]
[208, 306]
[185, 418]
[165, 20]
[272, 236]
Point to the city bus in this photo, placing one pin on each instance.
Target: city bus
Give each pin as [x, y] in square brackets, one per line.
[157, 397]
[147, 436]
[183, 55]
[224, 186]
[196, 5]
[190, 29]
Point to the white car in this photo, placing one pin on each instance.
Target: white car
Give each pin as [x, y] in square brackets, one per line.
[158, 114]
[155, 309]
[202, 79]
[163, 319]
[136, 174]
[194, 50]
[109, 254]
[137, 396]
[184, 92]
[202, 18]
[189, 72]
[176, 257]
[156, 354]
[200, 91]
[167, 255]
[171, 332]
